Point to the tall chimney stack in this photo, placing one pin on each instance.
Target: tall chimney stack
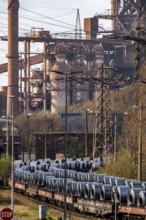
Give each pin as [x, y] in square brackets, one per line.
[13, 57]
[114, 12]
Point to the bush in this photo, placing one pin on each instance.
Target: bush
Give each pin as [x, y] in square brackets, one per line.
[124, 166]
[5, 169]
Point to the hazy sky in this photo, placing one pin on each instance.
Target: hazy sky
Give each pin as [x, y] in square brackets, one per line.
[54, 15]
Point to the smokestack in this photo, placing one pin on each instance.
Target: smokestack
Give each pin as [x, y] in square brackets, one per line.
[114, 12]
[13, 58]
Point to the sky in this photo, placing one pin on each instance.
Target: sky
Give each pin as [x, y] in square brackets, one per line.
[57, 16]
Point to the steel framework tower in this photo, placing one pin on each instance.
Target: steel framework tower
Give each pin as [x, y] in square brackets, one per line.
[78, 29]
[123, 14]
[103, 114]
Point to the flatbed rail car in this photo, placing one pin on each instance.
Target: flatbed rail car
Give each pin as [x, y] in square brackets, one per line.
[132, 211]
[45, 195]
[103, 209]
[98, 208]
[32, 190]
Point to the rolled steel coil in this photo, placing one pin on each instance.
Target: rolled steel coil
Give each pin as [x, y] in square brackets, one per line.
[82, 177]
[63, 182]
[141, 200]
[120, 181]
[81, 189]
[95, 191]
[88, 165]
[62, 160]
[60, 184]
[106, 191]
[18, 174]
[74, 188]
[54, 170]
[106, 179]
[88, 188]
[44, 176]
[73, 165]
[133, 195]
[48, 181]
[112, 181]
[80, 159]
[70, 173]
[95, 165]
[136, 184]
[128, 181]
[76, 176]
[39, 177]
[100, 178]
[69, 187]
[34, 165]
[26, 176]
[90, 177]
[22, 163]
[114, 194]
[144, 185]
[53, 183]
[81, 166]
[122, 193]
[32, 178]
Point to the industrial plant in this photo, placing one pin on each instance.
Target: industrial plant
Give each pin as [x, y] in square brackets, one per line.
[41, 88]
[75, 68]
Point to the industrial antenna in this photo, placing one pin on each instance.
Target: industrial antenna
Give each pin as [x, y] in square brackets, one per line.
[78, 29]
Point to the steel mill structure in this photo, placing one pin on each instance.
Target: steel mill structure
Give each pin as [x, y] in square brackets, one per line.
[124, 18]
[90, 63]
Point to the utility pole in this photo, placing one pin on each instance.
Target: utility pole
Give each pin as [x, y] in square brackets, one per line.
[140, 144]
[7, 137]
[115, 138]
[86, 132]
[45, 137]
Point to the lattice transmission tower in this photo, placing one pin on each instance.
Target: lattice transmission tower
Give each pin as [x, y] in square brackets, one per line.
[78, 29]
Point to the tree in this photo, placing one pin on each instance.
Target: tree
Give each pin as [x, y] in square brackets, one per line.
[39, 122]
[5, 168]
[124, 166]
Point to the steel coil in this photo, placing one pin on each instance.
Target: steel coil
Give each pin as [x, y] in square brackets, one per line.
[81, 189]
[26, 176]
[114, 194]
[120, 181]
[88, 188]
[90, 177]
[48, 181]
[34, 165]
[74, 188]
[122, 193]
[141, 200]
[144, 185]
[44, 176]
[69, 187]
[136, 184]
[133, 195]
[106, 191]
[100, 178]
[95, 191]
[82, 177]
[106, 179]
[128, 181]
[112, 181]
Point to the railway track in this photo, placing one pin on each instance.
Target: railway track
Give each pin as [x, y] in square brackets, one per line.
[54, 206]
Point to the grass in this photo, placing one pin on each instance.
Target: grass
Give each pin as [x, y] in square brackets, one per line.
[25, 209]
